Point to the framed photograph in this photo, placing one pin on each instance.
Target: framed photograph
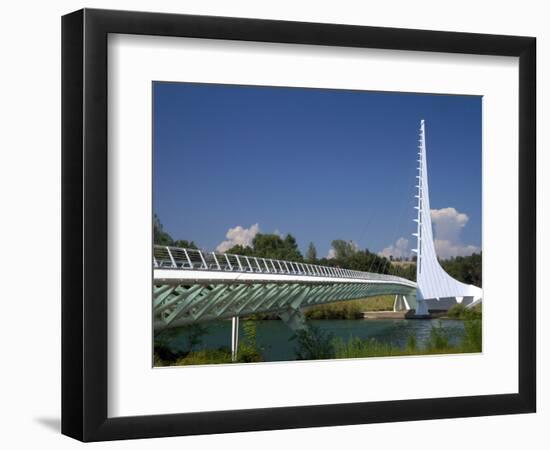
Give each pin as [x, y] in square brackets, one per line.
[273, 224]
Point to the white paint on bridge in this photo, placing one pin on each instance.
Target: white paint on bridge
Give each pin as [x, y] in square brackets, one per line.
[192, 286]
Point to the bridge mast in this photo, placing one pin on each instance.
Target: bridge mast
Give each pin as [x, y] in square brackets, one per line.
[421, 308]
[436, 289]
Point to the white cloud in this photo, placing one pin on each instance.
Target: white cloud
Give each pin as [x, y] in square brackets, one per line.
[398, 250]
[239, 236]
[331, 253]
[448, 224]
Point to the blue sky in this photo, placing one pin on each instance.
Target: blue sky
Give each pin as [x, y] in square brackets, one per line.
[319, 164]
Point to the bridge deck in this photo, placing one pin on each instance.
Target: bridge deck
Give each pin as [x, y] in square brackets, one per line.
[192, 286]
[172, 263]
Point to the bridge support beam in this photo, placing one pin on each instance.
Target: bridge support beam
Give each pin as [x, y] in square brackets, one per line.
[400, 303]
[234, 338]
[421, 307]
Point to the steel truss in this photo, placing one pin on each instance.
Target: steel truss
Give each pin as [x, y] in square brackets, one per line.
[182, 304]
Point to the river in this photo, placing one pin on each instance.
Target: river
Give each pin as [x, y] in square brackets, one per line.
[273, 337]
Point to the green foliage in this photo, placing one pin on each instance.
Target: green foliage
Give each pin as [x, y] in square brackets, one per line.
[343, 249]
[472, 341]
[161, 237]
[362, 348]
[465, 268]
[241, 250]
[218, 356]
[335, 311]
[311, 254]
[158, 361]
[379, 303]
[164, 354]
[163, 351]
[248, 350]
[456, 312]
[439, 343]
[270, 246]
[411, 342]
[461, 312]
[439, 338]
[182, 243]
[313, 343]
[351, 309]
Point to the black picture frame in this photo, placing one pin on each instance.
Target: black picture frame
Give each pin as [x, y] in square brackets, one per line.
[84, 224]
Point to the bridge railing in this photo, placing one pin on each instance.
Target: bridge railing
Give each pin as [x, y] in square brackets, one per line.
[165, 257]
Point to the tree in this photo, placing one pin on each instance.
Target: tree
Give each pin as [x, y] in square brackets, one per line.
[241, 250]
[465, 268]
[272, 246]
[160, 237]
[311, 254]
[344, 249]
[182, 243]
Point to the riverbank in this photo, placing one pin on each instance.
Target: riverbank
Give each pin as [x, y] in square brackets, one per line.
[460, 312]
[383, 315]
[272, 340]
[350, 310]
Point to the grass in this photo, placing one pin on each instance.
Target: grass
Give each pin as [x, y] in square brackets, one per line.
[210, 356]
[460, 312]
[352, 309]
[368, 348]
[439, 343]
[219, 356]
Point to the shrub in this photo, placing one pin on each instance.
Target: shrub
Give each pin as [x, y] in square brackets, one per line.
[313, 343]
[456, 311]
[411, 342]
[351, 309]
[219, 356]
[459, 311]
[472, 341]
[248, 350]
[359, 348]
[439, 338]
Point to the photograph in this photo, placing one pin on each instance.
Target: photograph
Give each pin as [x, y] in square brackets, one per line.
[294, 224]
[267, 225]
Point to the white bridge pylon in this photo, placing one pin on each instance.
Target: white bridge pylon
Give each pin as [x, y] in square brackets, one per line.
[436, 290]
[192, 286]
